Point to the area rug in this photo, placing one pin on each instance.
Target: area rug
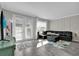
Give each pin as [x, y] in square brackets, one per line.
[60, 44]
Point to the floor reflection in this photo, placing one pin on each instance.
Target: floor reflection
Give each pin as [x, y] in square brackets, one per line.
[42, 48]
[30, 48]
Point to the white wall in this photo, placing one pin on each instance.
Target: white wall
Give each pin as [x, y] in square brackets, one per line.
[21, 19]
[66, 24]
[24, 19]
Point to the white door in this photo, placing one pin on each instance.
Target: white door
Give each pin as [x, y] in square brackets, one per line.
[28, 31]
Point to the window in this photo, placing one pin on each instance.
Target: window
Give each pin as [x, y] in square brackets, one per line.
[41, 26]
[18, 32]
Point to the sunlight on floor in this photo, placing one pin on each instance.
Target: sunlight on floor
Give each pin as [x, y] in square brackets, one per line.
[42, 43]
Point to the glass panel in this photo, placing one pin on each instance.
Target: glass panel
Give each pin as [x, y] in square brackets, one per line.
[27, 33]
[41, 26]
[18, 33]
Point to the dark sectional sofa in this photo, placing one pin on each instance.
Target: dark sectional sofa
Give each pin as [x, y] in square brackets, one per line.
[63, 35]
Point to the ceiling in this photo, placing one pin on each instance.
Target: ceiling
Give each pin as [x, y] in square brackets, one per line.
[47, 10]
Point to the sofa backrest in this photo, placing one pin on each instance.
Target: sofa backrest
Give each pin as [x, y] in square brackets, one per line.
[67, 34]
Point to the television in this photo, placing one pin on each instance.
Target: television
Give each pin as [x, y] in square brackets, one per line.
[1, 26]
[5, 27]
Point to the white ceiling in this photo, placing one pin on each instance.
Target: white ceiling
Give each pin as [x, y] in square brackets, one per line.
[47, 10]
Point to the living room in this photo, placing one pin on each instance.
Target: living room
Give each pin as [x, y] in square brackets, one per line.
[40, 28]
